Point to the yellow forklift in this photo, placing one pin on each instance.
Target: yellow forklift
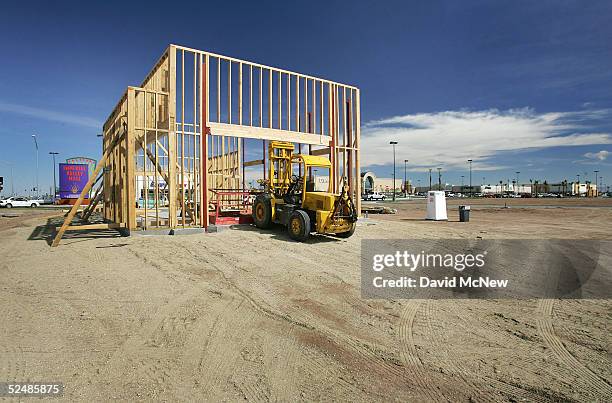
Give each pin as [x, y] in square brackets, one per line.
[295, 202]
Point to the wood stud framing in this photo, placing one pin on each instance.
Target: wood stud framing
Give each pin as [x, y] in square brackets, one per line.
[161, 146]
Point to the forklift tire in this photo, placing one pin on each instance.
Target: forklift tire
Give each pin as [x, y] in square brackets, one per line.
[348, 233]
[262, 211]
[299, 225]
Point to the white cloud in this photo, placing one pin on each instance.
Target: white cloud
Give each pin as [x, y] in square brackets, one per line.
[601, 155]
[450, 138]
[50, 115]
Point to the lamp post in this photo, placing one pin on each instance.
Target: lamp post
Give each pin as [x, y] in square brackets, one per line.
[430, 179]
[596, 189]
[439, 178]
[471, 190]
[393, 143]
[405, 179]
[52, 153]
[517, 182]
[36, 145]
[462, 176]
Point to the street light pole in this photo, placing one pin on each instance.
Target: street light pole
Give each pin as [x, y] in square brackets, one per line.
[36, 144]
[439, 178]
[517, 182]
[405, 179]
[471, 191]
[393, 143]
[54, 182]
[430, 179]
[596, 188]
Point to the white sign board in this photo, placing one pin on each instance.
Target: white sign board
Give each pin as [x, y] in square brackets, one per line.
[321, 183]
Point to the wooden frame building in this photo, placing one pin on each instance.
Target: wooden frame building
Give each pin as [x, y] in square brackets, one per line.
[196, 103]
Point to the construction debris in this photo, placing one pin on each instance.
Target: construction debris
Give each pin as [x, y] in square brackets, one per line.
[378, 210]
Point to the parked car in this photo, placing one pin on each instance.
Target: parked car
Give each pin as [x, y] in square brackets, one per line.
[20, 202]
[374, 196]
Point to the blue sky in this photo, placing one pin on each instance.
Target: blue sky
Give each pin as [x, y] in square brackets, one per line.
[515, 85]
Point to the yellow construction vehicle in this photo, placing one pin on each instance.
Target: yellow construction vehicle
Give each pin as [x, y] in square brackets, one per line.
[295, 202]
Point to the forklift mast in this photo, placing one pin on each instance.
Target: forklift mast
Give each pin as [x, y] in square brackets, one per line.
[280, 153]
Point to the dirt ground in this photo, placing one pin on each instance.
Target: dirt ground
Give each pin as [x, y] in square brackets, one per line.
[246, 314]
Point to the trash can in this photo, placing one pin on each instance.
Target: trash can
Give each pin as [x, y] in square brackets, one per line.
[464, 213]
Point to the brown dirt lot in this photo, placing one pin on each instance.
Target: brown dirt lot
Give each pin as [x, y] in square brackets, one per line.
[249, 314]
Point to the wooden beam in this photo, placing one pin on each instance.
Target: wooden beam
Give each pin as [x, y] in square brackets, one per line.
[321, 151]
[93, 203]
[172, 195]
[219, 90]
[270, 99]
[263, 133]
[204, 122]
[260, 97]
[297, 104]
[357, 154]
[94, 226]
[130, 160]
[182, 144]
[253, 163]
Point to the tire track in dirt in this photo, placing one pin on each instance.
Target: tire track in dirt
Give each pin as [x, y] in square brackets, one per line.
[140, 355]
[13, 367]
[215, 363]
[507, 388]
[282, 372]
[331, 388]
[372, 358]
[222, 351]
[256, 388]
[250, 377]
[597, 385]
[367, 351]
[476, 391]
[412, 363]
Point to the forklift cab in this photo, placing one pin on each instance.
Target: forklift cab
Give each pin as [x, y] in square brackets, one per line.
[309, 166]
[313, 199]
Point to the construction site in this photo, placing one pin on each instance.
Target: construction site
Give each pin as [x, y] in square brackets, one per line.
[174, 277]
[195, 103]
